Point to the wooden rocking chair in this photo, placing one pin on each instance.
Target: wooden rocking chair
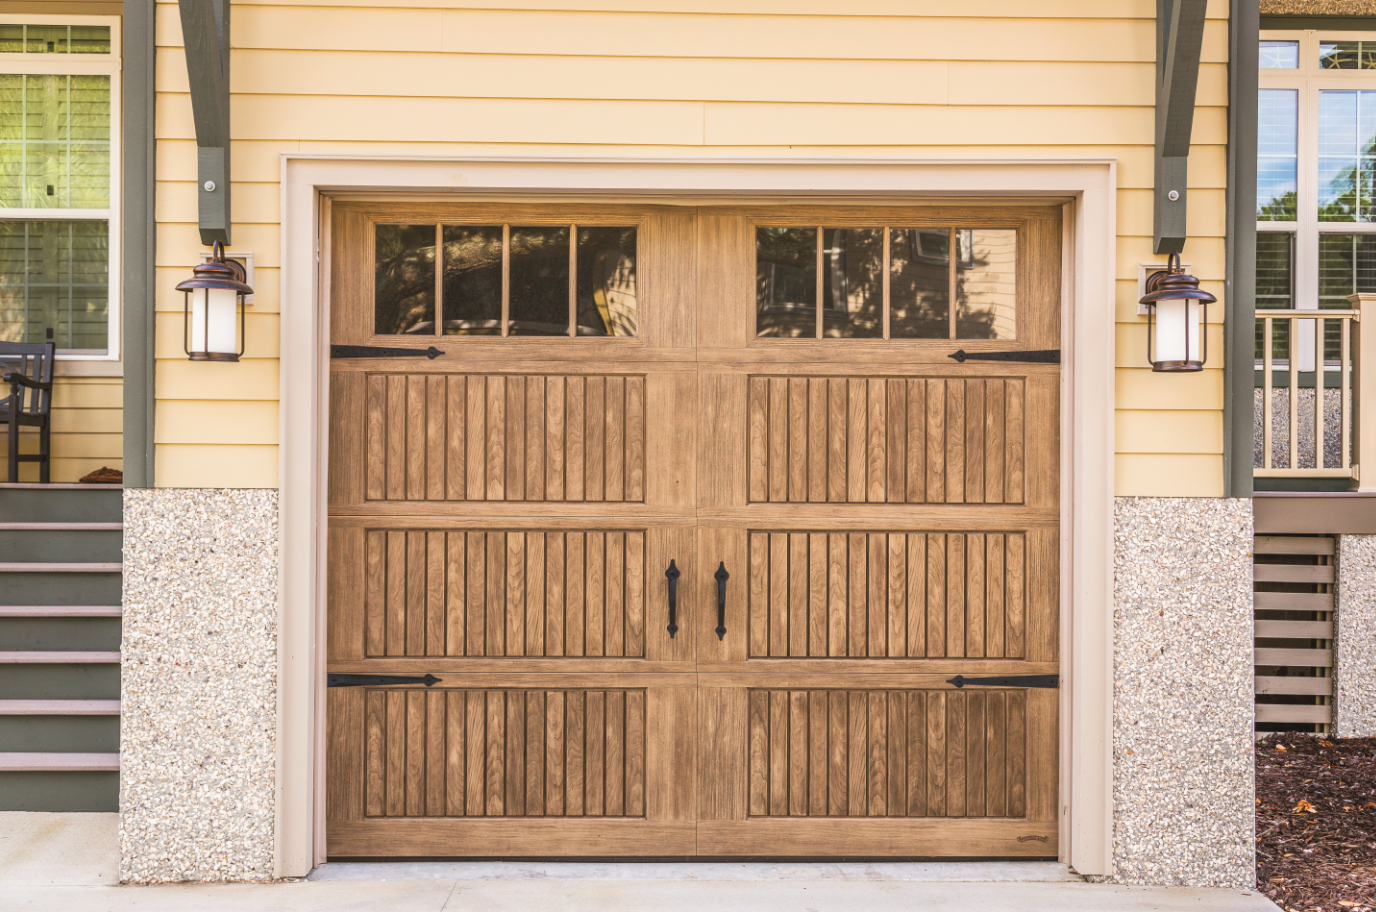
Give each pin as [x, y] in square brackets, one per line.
[27, 368]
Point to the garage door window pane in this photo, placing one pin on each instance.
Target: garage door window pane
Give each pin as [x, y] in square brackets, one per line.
[404, 280]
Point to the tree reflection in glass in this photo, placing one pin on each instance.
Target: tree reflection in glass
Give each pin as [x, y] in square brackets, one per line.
[404, 280]
[786, 283]
[539, 302]
[606, 299]
[920, 283]
[852, 283]
[472, 280]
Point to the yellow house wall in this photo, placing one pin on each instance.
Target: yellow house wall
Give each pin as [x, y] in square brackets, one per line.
[669, 78]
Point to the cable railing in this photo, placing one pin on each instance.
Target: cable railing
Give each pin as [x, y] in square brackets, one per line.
[1310, 393]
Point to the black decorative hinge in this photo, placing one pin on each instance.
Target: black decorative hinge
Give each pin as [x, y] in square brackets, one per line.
[378, 351]
[344, 680]
[1046, 356]
[1008, 681]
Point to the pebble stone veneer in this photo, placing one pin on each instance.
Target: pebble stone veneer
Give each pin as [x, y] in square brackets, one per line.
[1183, 781]
[1318, 7]
[198, 725]
[1355, 640]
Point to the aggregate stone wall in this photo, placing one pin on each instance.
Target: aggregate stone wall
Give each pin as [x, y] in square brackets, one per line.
[1318, 7]
[1183, 781]
[198, 720]
[1355, 638]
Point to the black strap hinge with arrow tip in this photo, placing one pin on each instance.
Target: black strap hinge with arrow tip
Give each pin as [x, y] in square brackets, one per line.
[1045, 356]
[1007, 681]
[348, 680]
[379, 351]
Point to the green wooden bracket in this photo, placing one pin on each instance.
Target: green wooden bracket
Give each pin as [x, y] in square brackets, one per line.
[205, 33]
[1180, 38]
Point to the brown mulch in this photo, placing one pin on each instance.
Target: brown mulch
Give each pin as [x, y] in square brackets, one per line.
[1316, 822]
[103, 475]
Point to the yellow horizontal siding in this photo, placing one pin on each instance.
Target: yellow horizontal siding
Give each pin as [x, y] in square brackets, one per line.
[1163, 431]
[990, 79]
[198, 466]
[87, 418]
[1168, 475]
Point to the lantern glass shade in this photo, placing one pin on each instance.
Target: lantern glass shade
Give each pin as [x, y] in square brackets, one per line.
[214, 329]
[214, 309]
[1177, 321]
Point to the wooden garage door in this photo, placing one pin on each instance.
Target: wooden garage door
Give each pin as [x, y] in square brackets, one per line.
[617, 389]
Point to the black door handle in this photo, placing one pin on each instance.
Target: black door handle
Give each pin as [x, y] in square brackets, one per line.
[722, 576]
[673, 574]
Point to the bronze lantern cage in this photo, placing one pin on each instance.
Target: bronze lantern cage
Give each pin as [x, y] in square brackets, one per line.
[212, 298]
[1177, 320]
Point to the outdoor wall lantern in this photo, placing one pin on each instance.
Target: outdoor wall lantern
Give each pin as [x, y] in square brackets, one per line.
[212, 298]
[1178, 318]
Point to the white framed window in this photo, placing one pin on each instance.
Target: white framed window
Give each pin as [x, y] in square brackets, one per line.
[1316, 174]
[59, 183]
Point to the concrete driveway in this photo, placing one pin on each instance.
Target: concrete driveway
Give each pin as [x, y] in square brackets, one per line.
[69, 863]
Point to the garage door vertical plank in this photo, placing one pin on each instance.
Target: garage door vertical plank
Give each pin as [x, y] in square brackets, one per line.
[936, 754]
[917, 774]
[435, 754]
[496, 594]
[375, 596]
[838, 773]
[416, 596]
[554, 754]
[778, 740]
[797, 753]
[396, 437]
[857, 621]
[616, 594]
[635, 753]
[817, 595]
[595, 593]
[778, 430]
[476, 602]
[575, 576]
[396, 753]
[575, 751]
[877, 595]
[757, 456]
[896, 425]
[915, 448]
[797, 440]
[759, 594]
[897, 762]
[917, 594]
[996, 754]
[635, 439]
[496, 438]
[1017, 753]
[556, 606]
[436, 438]
[974, 594]
[514, 776]
[535, 438]
[495, 784]
[936, 595]
[758, 746]
[456, 439]
[817, 753]
[897, 561]
[616, 440]
[858, 717]
[974, 441]
[595, 758]
[778, 595]
[817, 435]
[878, 795]
[475, 439]
[995, 445]
[975, 755]
[396, 593]
[1013, 441]
[455, 753]
[635, 595]
[435, 626]
[375, 473]
[415, 437]
[857, 440]
[516, 592]
[535, 593]
[555, 443]
[838, 432]
[797, 595]
[375, 753]
[955, 595]
[476, 763]
[995, 645]
[1015, 579]
[575, 438]
[595, 441]
[456, 594]
[615, 753]
[936, 441]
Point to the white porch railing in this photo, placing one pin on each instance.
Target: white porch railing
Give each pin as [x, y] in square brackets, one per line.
[1339, 389]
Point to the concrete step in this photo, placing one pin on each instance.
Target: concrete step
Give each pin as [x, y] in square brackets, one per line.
[64, 632]
[69, 732]
[37, 761]
[59, 681]
[57, 657]
[61, 542]
[61, 503]
[61, 611]
[92, 588]
[62, 567]
[59, 707]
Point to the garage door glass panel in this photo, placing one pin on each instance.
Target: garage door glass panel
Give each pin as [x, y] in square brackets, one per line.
[606, 296]
[786, 283]
[852, 283]
[919, 283]
[404, 280]
[986, 283]
[472, 290]
[539, 281]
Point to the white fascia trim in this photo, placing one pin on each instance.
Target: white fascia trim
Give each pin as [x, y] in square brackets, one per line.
[1087, 439]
